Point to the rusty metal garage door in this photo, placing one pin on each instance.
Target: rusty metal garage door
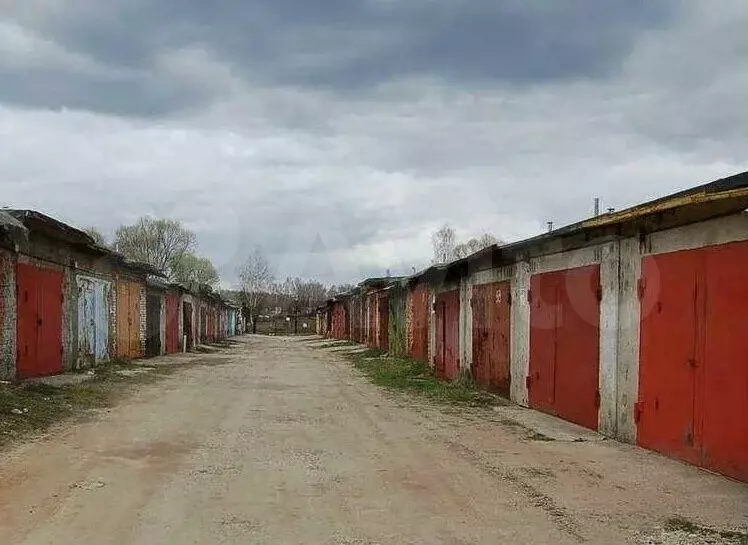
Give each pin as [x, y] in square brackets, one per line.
[693, 369]
[39, 322]
[491, 330]
[565, 344]
[383, 323]
[418, 322]
[173, 336]
[372, 311]
[338, 321]
[128, 319]
[447, 334]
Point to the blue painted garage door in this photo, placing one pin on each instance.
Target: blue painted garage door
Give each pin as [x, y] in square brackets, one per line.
[93, 319]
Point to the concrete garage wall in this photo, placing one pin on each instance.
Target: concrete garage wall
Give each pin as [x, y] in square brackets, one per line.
[607, 257]
[723, 230]
[627, 342]
[520, 328]
[7, 316]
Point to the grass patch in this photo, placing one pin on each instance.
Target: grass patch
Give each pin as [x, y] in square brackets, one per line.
[369, 353]
[34, 407]
[413, 376]
[337, 344]
[223, 344]
[682, 524]
[204, 349]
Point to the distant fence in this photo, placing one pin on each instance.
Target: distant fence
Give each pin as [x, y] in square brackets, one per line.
[287, 325]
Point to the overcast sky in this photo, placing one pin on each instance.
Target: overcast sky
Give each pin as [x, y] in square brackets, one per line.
[339, 134]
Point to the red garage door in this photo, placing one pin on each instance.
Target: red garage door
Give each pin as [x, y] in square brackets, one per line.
[418, 323]
[173, 337]
[39, 324]
[491, 327]
[372, 311]
[383, 340]
[565, 344]
[446, 334]
[693, 369]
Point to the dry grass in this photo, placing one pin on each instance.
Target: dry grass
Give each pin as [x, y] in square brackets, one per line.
[30, 408]
[405, 374]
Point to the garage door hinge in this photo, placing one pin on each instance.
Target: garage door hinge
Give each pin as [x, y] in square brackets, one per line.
[528, 381]
[509, 298]
[529, 296]
[597, 399]
[599, 293]
[641, 284]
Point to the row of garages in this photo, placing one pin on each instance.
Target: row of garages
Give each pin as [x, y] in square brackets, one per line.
[67, 303]
[632, 323]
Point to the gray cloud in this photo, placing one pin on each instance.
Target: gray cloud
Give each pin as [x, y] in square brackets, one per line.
[337, 44]
[339, 135]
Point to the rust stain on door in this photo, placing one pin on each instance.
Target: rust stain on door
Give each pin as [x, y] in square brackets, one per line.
[491, 333]
[173, 337]
[417, 322]
[447, 335]
[383, 324]
[128, 319]
[338, 321]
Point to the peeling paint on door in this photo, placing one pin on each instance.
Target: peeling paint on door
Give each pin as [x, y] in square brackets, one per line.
[93, 319]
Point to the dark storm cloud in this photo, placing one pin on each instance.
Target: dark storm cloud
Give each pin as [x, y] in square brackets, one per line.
[341, 45]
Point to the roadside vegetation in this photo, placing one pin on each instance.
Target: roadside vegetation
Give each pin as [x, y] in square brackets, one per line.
[681, 525]
[404, 374]
[336, 344]
[31, 408]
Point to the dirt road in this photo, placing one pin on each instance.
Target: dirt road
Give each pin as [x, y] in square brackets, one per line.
[277, 443]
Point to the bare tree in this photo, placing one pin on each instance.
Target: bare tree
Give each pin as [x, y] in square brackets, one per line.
[475, 245]
[309, 295]
[444, 241]
[338, 289]
[189, 268]
[158, 242]
[96, 235]
[256, 282]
